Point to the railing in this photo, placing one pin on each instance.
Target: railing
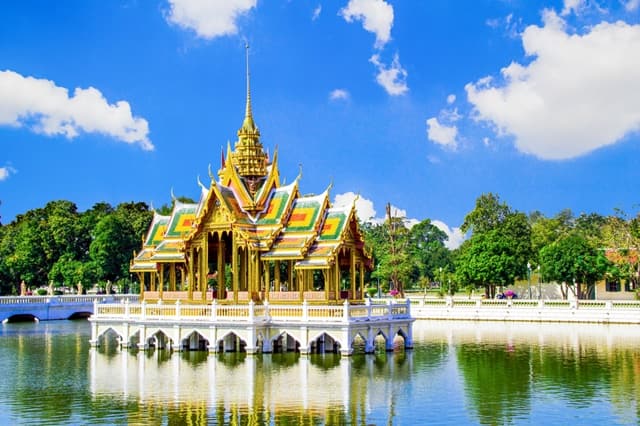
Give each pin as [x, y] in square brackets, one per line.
[304, 313]
[72, 298]
[627, 311]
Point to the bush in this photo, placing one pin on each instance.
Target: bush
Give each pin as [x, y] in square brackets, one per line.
[41, 292]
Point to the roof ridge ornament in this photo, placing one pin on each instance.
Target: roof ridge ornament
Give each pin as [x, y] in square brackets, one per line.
[200, 183]
[248, 156]
[248, 124]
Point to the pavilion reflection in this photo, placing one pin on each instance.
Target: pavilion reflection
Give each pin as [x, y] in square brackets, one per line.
[233, 388]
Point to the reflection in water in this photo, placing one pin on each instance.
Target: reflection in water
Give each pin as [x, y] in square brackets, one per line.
[235, 388]
[458, 373]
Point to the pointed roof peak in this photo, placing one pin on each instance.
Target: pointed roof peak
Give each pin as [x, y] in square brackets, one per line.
[248, 125]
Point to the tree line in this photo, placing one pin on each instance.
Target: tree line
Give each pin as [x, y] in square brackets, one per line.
[504, 245]
[59, 244]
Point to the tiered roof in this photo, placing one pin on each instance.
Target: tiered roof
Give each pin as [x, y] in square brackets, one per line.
[248, 200]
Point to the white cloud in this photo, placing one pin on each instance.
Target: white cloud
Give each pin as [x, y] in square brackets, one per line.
[209, 19]
[48, 109]
[577, 94]
[367, 213]
[392, 78]
[338, 94]
[451, 99]
[6, 171]
[376, 17]
[572, 6]
[441, 134]
[456, 236]
[364, 207]
[632, 5]
[316, 12]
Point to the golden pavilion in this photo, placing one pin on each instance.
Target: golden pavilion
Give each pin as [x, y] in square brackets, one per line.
[251, 238]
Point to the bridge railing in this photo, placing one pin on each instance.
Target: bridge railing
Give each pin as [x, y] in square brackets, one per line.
[611, 311]
[70, 298]
[303, 313]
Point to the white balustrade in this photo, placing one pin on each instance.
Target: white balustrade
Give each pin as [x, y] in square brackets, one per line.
[298, 314]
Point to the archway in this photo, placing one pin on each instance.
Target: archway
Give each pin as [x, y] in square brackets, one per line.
[380, 342]
[109, 338]
[194, 342]
[323, 344]
[21, 318]
[159, 340]
[231, 343]
[285, 343]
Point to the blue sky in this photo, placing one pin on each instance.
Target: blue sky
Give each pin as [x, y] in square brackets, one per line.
[422, 104]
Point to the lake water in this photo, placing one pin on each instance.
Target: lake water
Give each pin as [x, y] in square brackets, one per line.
[458, 373]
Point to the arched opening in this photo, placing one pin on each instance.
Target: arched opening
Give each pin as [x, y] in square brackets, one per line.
[399, 341]
[359, 345]
[80, 315]
[134, 339]
[380, 342]
[194, 342]
[21, 318]
[324, 344]
[231, 343]
[285, 343]
[159, 340]
[109, 339]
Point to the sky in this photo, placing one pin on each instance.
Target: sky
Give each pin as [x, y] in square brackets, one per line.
[425, 105]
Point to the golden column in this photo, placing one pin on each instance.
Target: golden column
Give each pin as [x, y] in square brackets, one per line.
[353, 274]
[267, 278]
[161, 279]
[191, 276]
[234, 266]
[204, 284]
[361, 279]
[221, 268]
[172, 277]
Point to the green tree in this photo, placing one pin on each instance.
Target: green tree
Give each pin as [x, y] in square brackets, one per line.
[427, 251]
[109, 248]
[499, 248]
[116, 236]
[546, 230]
[70, 272]
[573, 260]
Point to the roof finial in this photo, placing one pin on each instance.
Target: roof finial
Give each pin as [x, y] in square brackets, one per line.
[248, 123]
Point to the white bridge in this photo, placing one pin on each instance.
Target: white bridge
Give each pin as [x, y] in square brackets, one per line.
[252, 328]
[528, 310]
[45, 308]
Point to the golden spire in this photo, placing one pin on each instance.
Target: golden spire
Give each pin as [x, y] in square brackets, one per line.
[248, 124]
[249, 157]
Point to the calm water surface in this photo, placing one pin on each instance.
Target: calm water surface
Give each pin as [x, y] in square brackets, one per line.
[458, 373]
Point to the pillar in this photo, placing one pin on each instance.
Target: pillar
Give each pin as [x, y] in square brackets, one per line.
[267, 279]
[336, 279]
[361, 279]
[191, 275]
[290, 272]
[234, 266]
[276, 275]
[353, 274]
[204, 284]
[301, 275]
[172, 277]
[141, 279]
[161, 279]
[221, 283]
